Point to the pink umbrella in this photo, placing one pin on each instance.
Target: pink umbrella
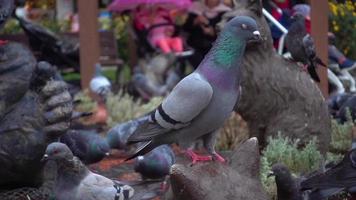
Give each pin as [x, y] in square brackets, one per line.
[122, 5]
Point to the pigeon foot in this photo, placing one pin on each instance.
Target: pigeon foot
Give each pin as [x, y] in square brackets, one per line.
[219, 158]
[196, 158]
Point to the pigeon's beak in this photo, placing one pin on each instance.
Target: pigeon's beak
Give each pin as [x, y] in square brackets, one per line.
[256, 37]
[269, 174]
[44, 158]
[107, 154]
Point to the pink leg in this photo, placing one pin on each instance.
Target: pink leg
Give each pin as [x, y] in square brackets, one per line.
[196, 158]
[177, 44]
[163, 44]
[219, 158]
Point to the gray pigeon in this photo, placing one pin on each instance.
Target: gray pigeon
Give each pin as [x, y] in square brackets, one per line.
[288, 188]
[76, 182]
[118, 135]
[341, 177]
[156, 164]
[88, 146]
[301, 46]
[200, 103]
[99, 84]
[6, 9]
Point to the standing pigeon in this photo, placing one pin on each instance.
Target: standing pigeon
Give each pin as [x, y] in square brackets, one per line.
[341, 177]
[200, 103]
[301, 46]
[99, 84]
[118, 135]
[88, 146]
[287, 186]
[76, 182]
[156, 164]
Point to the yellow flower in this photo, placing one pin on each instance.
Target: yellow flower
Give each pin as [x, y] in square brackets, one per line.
[336, 28]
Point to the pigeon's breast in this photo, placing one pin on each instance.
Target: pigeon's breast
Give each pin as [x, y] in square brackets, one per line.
[213, 117]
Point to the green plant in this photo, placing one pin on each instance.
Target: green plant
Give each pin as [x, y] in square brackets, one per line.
[87, 104]
[124, 108]
[12, 26]
[284, 150]
[341, 136]
[343, 25]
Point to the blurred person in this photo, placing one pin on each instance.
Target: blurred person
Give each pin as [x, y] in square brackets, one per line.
[160, 26]
[200, 26]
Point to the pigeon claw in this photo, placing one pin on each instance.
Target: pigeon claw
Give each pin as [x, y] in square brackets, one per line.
[198, 158]
[219, 158]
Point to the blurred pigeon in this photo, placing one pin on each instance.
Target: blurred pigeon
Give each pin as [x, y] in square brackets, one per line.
[118, 135]
[45, 192]
[301, 46]
[99, 84]
[76, 182]
[156, 164]
[88, 146]
[348, 106]
[341, 177]
[288, 188]
[335, 102]
[6, 10]
[201, 102]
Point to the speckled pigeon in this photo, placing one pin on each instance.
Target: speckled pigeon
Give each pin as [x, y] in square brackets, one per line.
[156, 164]
[99, 84]
[118, 135]
[200, 103]
[288, 187]
[341, 177]
[301, 46]
[88, 146]
[76, 182]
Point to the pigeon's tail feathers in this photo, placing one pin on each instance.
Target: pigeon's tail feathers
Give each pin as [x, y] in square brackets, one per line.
[146, 131]
[324, 193]
[142, 150]
[313, 73]
[319, 61]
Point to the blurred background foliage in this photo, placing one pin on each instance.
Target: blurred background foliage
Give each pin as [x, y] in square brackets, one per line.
[342, 22]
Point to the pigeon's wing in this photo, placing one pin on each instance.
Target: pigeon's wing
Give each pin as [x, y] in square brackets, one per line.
[309, 48]
[186, 101]
[76, 143]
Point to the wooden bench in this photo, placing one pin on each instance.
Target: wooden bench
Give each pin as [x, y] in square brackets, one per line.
[108, 44]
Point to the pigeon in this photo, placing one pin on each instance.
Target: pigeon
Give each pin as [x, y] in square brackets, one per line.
[88, 146]
[118, 135]
[76, 182]
[99, 84]
[287, 186]
[301, 46]
[335, 102]
[156, 164]
[45, 192]
[6, 9]
[339, 178]
[200, 103]
[348, 106]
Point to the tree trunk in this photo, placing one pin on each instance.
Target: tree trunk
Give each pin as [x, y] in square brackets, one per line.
[277, 96]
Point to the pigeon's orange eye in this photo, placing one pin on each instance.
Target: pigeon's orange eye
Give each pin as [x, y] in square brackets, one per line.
[243, 26]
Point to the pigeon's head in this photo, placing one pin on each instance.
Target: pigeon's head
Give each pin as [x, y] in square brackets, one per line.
[58, 151]
[243, 27]
[100, 148]
[297, 17]
[281, 173]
